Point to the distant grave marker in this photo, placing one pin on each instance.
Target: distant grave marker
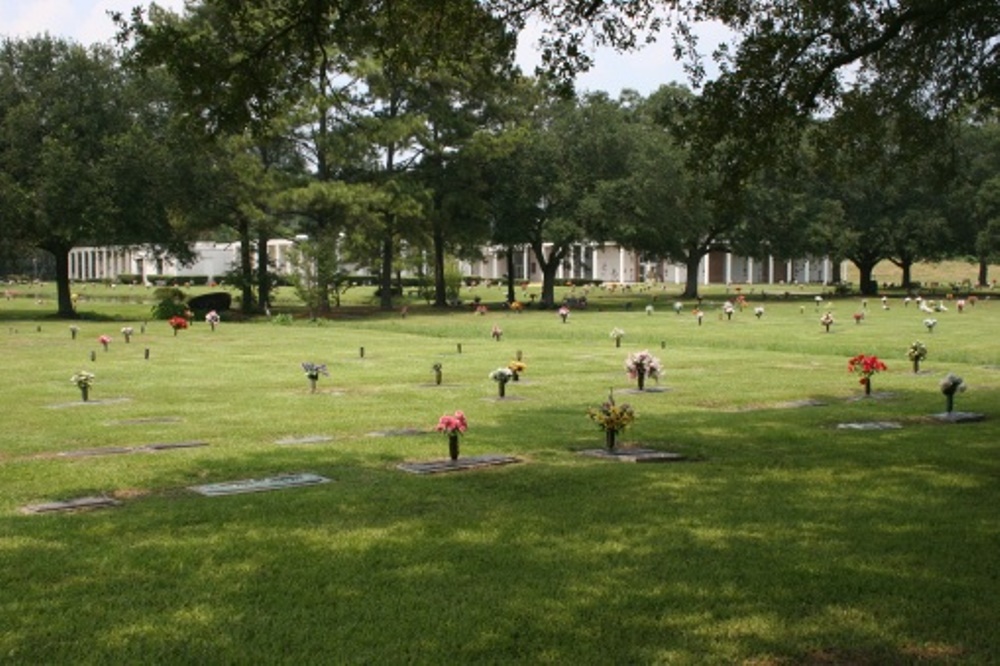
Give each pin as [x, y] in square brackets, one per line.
[870, 425]
[399, 432]
[309, 439]
[148, 420]
[795, 404]
[166, 446]
[78, 504]
[462, 464]
[958, 417]
[634, 455]
[101, 451]
[259, 485]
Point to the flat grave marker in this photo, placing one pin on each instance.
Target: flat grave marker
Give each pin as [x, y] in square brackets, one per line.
[634, 455]
[279, 482]
[462, 464]
[308, 439]
[78, 504]
[870, 425]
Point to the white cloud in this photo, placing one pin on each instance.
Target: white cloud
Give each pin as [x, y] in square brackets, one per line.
[84, 21]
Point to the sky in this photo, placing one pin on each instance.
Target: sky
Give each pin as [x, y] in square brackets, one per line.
[87, 22]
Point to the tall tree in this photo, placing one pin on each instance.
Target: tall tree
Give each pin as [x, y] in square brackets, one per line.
[89, 153]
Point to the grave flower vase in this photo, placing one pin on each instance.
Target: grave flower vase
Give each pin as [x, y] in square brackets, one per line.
[85, 393]
[437, 377]
[868, 385]
[610, 437]
[502, 388]
[949, 402]
[312, 384]
[453, 446]
[641, 377]
[916, 365]
[516, 377]
[618, 342]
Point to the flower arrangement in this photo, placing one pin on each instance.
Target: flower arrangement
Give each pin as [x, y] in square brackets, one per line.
[481, 309]
[951, 385]
[83, 380]
[699, 313]
[313, 371]
[930, 324]
[105, 341]
[177, 323]
[127, 333]
[501, 376]
[617, 334]
[826, 320]
[612, 419]
[73, 330]
[452, 425]
[727, 309]
[678, 307]
[517, 367]
[641, 365]
[496, 333]
[758, 312]
[649, 310]
[859, 317]
[516, 306]
[563, 313]
[213, 319]
[960, 305]
[916, 353]
[866, 366]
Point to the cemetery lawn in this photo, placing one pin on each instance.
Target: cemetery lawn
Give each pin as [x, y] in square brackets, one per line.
[783, 538]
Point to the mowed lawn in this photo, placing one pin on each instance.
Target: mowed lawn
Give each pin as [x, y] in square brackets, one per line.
[783, 538]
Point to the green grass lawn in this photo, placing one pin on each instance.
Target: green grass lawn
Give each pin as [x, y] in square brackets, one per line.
[783, 539]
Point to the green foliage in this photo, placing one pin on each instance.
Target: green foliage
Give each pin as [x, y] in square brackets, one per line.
[453, 281]
[171, 302]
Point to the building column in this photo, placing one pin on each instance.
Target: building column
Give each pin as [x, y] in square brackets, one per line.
[729, 268]
[706, 267]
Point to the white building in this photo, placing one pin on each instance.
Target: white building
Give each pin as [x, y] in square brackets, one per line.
[212, 260]
[611, 263]
[587, 261]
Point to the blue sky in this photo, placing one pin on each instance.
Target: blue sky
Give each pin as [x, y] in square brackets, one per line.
[86, 21]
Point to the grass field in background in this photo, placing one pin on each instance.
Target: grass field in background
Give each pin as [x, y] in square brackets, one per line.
[782, 539]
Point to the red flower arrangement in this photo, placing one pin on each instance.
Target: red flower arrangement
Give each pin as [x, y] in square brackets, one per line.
[177, 323]
[866, 366]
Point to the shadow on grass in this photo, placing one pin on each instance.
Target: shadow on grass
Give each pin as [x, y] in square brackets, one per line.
[773, 550]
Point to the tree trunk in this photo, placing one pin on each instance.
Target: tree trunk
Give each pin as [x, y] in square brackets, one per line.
[907, 267]
[866, 284]
[511, 292]
[263, 274]
[984, 272]
[691, 263]
[549, 266]
[836, 274]
[440, 288]
[63, 295]
[247, 305]
[385, 274]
